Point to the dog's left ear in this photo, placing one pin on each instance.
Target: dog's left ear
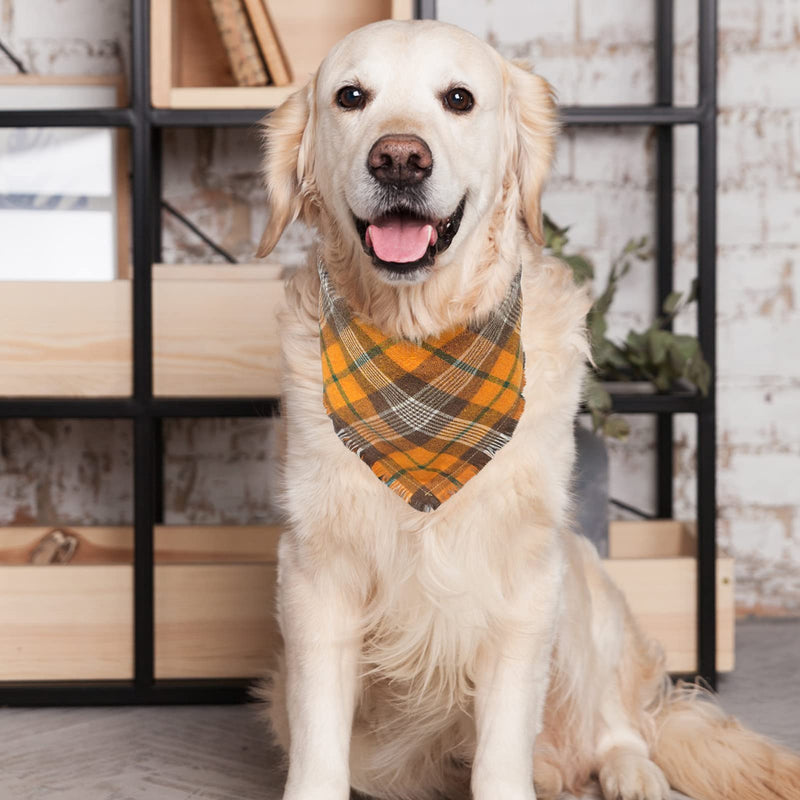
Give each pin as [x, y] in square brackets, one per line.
[533, 123]
[288, 166]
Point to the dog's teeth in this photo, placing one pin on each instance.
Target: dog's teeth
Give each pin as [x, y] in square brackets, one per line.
[368, 238]
[433, 236]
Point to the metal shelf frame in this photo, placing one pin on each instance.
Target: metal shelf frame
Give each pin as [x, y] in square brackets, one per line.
[147, 412]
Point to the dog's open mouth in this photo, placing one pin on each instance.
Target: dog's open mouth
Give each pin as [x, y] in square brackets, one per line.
[401, 241]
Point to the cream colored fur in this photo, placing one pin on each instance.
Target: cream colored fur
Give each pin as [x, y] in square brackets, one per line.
[478, 648]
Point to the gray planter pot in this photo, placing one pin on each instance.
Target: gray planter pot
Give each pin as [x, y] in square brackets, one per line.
[590, 488]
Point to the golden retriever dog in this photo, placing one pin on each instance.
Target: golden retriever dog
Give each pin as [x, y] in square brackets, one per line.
[474, 648]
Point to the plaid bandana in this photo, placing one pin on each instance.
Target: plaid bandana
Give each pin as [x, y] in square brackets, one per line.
[425, 416]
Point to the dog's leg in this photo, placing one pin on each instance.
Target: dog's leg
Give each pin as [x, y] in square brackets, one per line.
[626, 771]
[510, 690]
[510, 694]
[320, 626]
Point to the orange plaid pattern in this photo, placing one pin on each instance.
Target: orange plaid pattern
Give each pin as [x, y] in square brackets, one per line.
[425, 416]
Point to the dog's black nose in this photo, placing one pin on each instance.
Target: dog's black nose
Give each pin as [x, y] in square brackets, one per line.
[400, 159]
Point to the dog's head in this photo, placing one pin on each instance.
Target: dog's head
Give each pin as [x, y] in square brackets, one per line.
[412, 139]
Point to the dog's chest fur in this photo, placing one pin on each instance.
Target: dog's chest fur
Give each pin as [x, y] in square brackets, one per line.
[434, 584]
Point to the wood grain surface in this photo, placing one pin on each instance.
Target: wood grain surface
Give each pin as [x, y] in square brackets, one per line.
[216, 338]
[69, 339]
[214, 590]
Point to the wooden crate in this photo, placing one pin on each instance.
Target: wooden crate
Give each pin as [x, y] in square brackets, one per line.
[214, 600]
[215, 334]
[70, 339]
[215, 330]
[189, 66]
[655, 566]
[214, 591]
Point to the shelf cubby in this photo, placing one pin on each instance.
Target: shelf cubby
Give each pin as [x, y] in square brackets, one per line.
[189, 67]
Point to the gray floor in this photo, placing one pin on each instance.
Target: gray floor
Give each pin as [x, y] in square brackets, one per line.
[221, 753]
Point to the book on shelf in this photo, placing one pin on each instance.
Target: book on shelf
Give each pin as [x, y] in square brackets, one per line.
[239, 42]
[268, 43]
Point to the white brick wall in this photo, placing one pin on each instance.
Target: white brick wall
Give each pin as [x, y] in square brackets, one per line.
[593, 53]
[70, 37]
[759, 322]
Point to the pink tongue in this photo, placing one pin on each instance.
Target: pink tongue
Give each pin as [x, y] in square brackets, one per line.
[401, 240]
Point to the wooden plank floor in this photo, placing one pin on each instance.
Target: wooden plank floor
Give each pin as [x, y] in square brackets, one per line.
[222, 753]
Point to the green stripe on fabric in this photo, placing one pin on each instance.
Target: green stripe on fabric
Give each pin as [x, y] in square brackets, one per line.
[470, 426]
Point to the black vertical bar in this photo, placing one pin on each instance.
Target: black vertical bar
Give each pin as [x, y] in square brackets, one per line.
[158, 471]
[425, 9]
[706, 311]
[144, 434]
[156, 190]
[665, 181]
[144, 517]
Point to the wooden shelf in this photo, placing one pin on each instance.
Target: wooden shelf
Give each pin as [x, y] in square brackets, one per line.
[58, 92]
[189, 66]
[266, 97]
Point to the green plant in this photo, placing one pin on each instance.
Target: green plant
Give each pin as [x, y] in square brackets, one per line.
[656, 354]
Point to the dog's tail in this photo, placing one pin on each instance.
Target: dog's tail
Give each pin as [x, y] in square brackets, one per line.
[710, 756]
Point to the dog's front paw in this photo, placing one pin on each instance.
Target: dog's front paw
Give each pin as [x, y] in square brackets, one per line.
[630, 776]
[502, 789]
[315, 793]
[315, 790]
[547, 779]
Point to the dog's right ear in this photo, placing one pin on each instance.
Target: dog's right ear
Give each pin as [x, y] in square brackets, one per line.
[288, 165]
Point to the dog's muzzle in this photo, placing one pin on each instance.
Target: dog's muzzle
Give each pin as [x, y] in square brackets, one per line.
[403, 236]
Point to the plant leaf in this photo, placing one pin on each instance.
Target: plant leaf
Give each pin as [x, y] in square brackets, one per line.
[654, 354]
[581, 268]
[658, 345]
[616, 427]
[684, 345]
[699, 373]
[597, 398]
[671, 303]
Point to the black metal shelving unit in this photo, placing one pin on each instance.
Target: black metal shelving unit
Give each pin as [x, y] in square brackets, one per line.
[146, 125]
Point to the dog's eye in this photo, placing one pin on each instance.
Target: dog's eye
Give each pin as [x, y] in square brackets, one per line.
[351, 97]
[458, 100]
